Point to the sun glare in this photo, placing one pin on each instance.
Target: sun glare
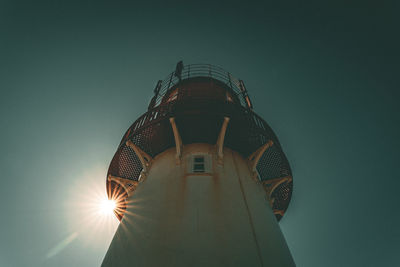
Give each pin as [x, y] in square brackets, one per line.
[107, 206]
[91, 209]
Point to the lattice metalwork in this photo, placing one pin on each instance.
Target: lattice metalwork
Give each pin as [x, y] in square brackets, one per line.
[281, 197]
[270, 165]
[125, 164]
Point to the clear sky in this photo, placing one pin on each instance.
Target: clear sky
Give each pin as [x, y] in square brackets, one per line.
[75, 74]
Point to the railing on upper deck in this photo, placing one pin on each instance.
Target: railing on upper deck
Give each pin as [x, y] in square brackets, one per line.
[202, 70]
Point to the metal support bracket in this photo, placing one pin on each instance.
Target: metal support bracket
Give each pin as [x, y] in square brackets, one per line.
[144, 158]
[271, 184]
[127, 184]
[178, 140]
[220, 140]
[255, 157]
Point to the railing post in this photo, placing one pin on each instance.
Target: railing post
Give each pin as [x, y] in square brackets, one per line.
[245, 95]
[153, 101]
[170, 80]
[229, 79]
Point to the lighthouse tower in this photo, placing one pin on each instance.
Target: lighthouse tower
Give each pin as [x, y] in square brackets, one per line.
[199, 179]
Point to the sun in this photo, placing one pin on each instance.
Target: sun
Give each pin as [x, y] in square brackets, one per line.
[107, 206]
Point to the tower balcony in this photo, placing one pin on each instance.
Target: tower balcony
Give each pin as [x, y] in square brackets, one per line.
[199, 97]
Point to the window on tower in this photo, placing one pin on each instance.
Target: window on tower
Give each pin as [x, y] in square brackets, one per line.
[198, 164]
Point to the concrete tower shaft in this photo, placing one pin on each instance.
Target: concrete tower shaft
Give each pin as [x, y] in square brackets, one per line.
[214, 214]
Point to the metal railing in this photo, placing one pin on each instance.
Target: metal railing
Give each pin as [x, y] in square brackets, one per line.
[201, 70]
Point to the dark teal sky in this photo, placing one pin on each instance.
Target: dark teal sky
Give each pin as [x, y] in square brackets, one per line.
[75, 75]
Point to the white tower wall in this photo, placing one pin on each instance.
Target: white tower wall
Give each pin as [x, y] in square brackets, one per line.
[180, 218]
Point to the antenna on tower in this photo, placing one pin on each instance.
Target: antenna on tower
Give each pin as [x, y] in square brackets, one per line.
[153, 101]
[178, 70]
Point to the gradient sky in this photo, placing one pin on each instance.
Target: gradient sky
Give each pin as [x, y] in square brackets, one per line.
[75, 74]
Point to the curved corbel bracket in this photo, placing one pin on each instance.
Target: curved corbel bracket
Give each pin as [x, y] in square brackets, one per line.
[271, 184]
[279, 212]
[144, 158]
[220, 140]
[127, 184]
[178, 140]
[255, 157]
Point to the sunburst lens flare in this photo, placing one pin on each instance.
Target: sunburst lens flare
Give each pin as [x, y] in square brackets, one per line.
[107, 206]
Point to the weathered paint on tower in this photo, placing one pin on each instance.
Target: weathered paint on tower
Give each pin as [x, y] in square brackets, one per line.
[201, 180]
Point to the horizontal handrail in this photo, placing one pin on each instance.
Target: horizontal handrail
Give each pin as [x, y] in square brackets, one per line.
[201, 70]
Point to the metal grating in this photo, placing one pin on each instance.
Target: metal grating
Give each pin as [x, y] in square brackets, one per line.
[129, 164]
[282, 195]
[125, 164]
[270, 164]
